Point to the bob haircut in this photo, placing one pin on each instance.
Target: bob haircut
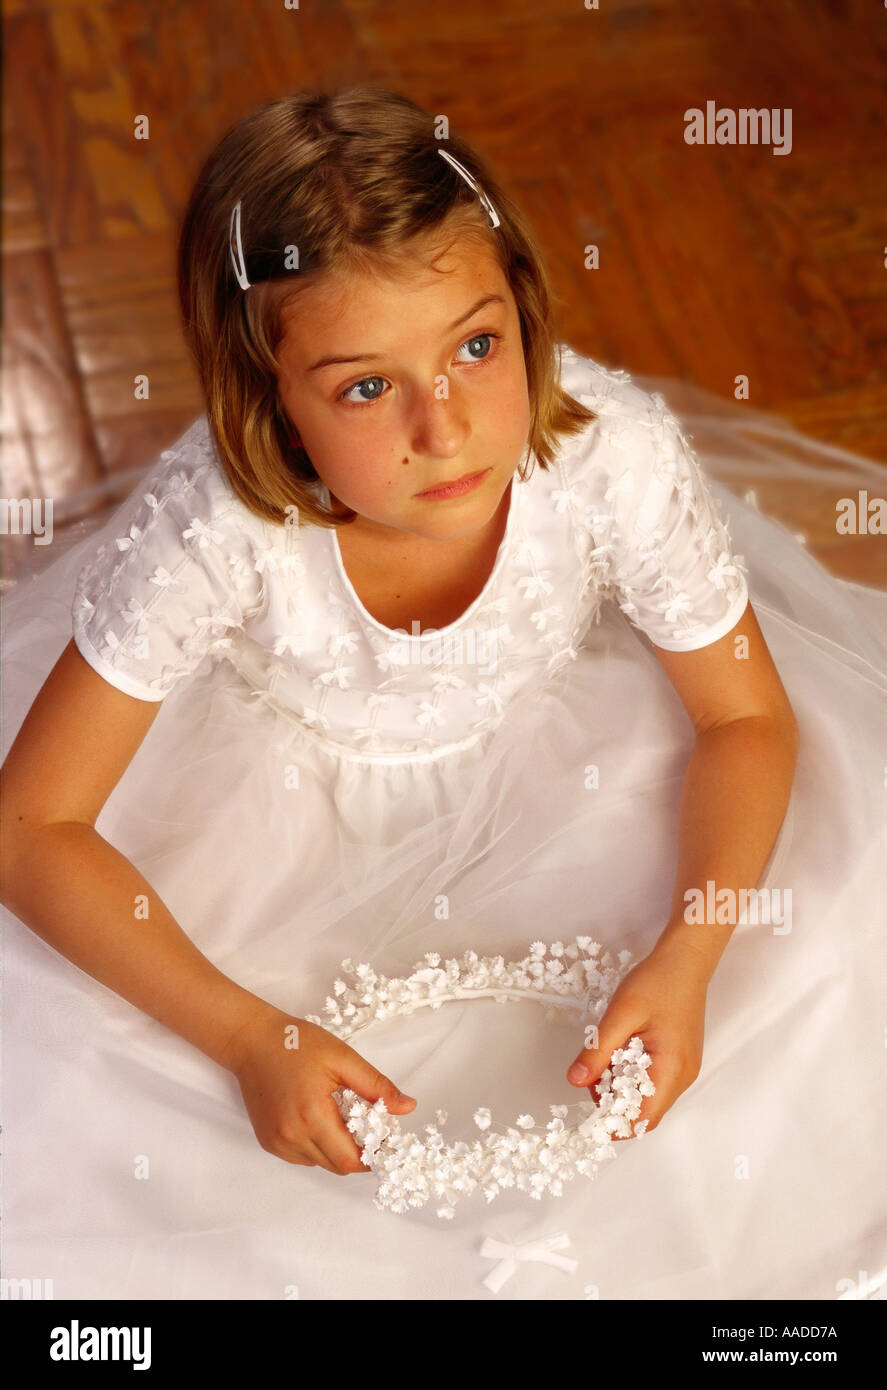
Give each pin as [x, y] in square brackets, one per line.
[338, 184]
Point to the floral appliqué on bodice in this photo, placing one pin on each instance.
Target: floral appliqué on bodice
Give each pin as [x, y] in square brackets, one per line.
[624, 513]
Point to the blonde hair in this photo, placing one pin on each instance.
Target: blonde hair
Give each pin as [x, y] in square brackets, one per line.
[349, 179]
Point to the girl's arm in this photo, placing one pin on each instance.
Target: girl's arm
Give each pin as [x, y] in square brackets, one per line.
[73, 888]
[737, 784]
[79, 893]
[735, 794]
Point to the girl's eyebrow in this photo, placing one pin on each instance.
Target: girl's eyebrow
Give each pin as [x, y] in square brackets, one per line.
[378, 356]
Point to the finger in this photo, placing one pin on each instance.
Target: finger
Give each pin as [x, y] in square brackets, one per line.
[320, 1157]
[307, 1155]
[614, 1032]
[361, 1076]
[589, 1065]
[663, 1074]
[670, 1081]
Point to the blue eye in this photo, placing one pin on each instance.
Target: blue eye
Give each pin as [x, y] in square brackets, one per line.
[469, 342]
[479, 338]
[359, 385]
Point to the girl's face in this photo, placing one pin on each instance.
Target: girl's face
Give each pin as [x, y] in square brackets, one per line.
[435, 388]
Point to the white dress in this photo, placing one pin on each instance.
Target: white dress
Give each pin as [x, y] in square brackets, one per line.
[318, 786]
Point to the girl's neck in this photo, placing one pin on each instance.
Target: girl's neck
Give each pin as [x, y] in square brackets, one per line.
[430, 582]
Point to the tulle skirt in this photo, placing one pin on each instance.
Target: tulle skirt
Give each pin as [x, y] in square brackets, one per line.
[764, 1180]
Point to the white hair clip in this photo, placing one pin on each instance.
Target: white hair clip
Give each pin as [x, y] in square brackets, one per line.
[472, 183]
[235, 246]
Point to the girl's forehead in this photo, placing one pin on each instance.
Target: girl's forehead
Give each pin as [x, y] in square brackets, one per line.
[354, 301]
[428, 259]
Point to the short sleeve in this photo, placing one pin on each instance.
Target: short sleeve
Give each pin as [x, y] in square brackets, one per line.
[674, 572]
[162, 596]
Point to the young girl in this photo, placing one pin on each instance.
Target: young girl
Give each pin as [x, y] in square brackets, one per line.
[429, 635]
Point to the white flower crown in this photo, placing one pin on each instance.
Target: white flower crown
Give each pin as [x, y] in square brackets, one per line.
[575, 979]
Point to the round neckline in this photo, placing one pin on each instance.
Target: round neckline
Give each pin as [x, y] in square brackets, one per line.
[430, 632]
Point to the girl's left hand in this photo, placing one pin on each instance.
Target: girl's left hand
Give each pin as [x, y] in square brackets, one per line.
[662, 999]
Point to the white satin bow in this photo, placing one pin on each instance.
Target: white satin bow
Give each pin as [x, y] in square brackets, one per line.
[540, 1250]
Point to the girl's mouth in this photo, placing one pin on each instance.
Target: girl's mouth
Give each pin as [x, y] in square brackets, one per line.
[458, 488]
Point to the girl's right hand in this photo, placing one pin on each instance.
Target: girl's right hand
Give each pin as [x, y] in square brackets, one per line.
[287, 1089]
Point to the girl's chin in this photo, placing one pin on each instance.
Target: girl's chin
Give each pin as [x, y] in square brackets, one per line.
[444, 520]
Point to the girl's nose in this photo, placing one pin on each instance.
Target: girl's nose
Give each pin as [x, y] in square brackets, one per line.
[438, 429]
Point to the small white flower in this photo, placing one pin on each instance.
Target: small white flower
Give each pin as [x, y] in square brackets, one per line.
[677, 604]
[343, 642]
[719, 571]
[314, 719]
[163, 579]
[536, 586]
[340, 676]
[428, 715]
[489, 696]
[204, 534]
[564, 497]
[127, 542]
